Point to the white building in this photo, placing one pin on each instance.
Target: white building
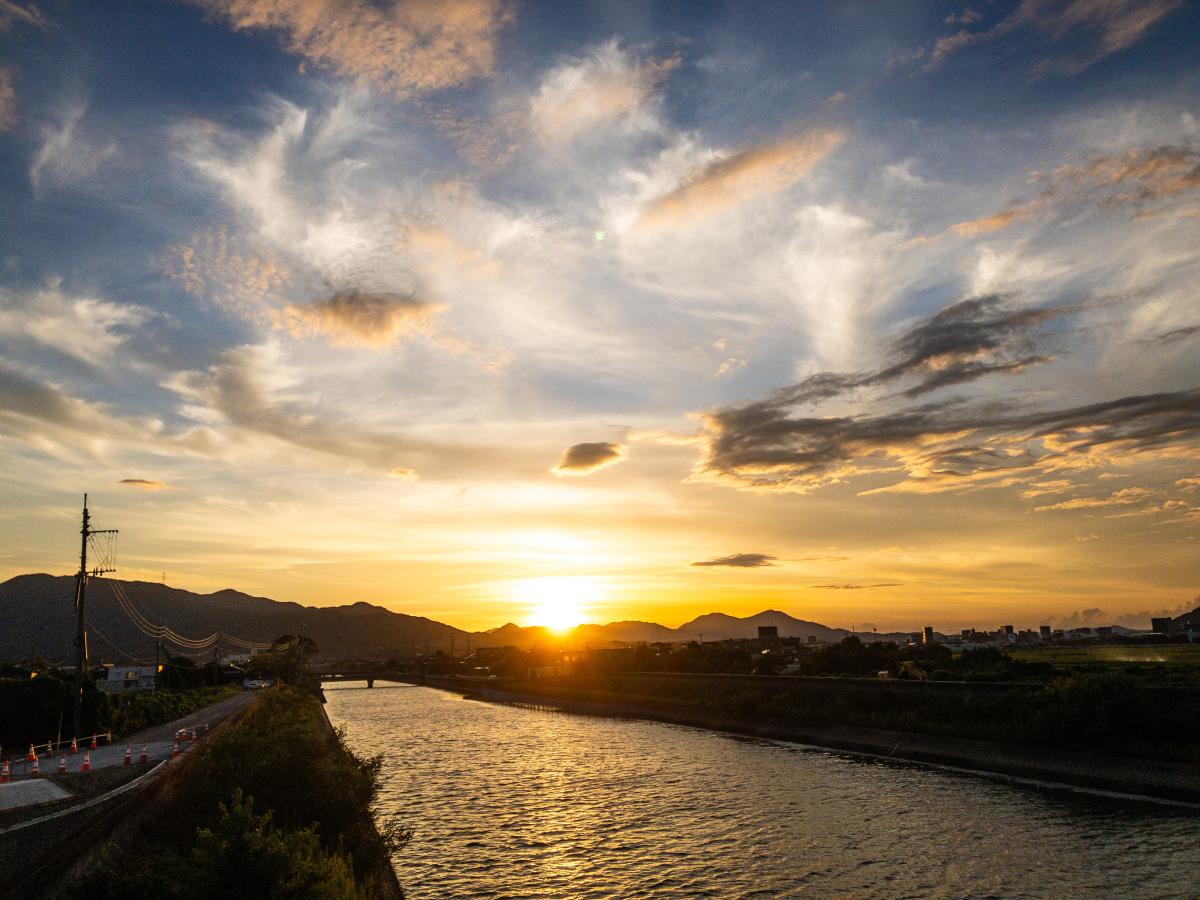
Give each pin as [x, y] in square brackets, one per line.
[118, 679]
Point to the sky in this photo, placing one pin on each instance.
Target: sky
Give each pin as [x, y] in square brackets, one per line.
[877, 314]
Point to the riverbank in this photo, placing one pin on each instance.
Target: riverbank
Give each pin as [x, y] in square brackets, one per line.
[272, 805]
[1167, 780]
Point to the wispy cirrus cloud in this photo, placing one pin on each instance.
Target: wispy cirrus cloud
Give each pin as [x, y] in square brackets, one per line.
[741, 177]
[145, 484]
[1144, 179]
[739, 561]
[1096, 29]
[854, 587]
[407, 48]
[1123, 497]
[67, 155]
[606, 86]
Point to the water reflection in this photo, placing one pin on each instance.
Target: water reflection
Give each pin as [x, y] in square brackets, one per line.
[509, 802]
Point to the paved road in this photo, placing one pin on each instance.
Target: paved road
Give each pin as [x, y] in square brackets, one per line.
[157, 741]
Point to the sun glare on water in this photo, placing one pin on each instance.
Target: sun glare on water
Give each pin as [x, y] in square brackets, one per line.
[558, 602]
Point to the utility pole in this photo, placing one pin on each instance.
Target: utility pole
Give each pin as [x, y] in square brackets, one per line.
[81, 648]
[157, 662]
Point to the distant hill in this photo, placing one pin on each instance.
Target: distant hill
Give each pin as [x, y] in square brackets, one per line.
[709, 627]
[39, 620]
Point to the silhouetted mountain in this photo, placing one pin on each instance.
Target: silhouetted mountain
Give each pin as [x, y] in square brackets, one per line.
[721, 627]
[39, 620]
[710, 627]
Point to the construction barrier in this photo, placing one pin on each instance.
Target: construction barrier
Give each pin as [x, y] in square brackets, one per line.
[87, 762]
[174, 749]
[4, 772]
[62, 766]
[145, 756]
[31, 756]
[34, 772]
[128, 755]
[74, 746]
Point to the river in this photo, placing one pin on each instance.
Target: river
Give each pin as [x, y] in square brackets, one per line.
[508, 802]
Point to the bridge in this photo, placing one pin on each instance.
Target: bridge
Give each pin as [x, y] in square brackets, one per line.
[457, 682]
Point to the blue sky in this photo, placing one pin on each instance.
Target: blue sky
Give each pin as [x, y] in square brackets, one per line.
[426, 304]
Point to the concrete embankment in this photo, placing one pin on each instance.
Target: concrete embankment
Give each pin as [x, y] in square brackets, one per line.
[1170, 781]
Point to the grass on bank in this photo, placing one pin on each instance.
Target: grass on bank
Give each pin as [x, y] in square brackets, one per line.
[1107, 713]
[274, 806]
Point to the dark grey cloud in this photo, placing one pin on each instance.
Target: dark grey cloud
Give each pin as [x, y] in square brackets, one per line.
[774, 444]
[1175, 334]
[583, 459]
[767, 445]
[970, 339]
[966, 341]
[364, 317]
[739, 561]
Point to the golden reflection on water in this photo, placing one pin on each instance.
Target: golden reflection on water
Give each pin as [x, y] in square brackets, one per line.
[509, 802]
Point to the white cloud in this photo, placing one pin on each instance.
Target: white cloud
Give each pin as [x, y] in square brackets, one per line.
[87, 328]
[67, 156]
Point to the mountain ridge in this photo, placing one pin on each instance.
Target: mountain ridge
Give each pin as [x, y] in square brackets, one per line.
[39, 618]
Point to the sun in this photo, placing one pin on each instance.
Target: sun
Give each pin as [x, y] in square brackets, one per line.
[558, 602]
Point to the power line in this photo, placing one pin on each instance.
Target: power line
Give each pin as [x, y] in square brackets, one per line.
[147, 627]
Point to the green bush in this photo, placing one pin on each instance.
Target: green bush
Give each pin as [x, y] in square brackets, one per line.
[317, 827]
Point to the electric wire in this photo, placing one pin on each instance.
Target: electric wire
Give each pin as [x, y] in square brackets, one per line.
[165, 632]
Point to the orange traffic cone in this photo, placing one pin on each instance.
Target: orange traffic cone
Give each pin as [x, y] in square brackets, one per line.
[4, 771]
[34, 772]
[62, 766]
[93, 747]
[128, 755]
[144, 755]
[74, 746]
[87, 762]
[174, 749]
[30, 756]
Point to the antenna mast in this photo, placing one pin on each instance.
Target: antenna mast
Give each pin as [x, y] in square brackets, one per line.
[83, 669]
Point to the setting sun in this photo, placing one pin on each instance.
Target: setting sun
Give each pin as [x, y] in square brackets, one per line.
[558, 602]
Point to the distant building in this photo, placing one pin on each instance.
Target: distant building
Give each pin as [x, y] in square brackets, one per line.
[1161, 626]
[120, 679]
[768, 632]
[1045, 632]
[1104, 632]
[927, 636]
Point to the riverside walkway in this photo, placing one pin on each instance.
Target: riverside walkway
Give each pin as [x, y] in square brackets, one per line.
[26, 790]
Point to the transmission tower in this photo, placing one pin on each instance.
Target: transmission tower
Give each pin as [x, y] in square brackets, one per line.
[83, 670]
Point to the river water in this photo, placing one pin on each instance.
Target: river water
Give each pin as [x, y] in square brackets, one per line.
[508, 802]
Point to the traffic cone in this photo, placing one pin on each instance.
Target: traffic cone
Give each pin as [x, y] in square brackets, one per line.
[128, 755]
[87, 762]
[30, 756]
[174, 749]
[62, 766]
[4, 771]
[74, 746]
[93, 746]
[144, 757]
[34, 772]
